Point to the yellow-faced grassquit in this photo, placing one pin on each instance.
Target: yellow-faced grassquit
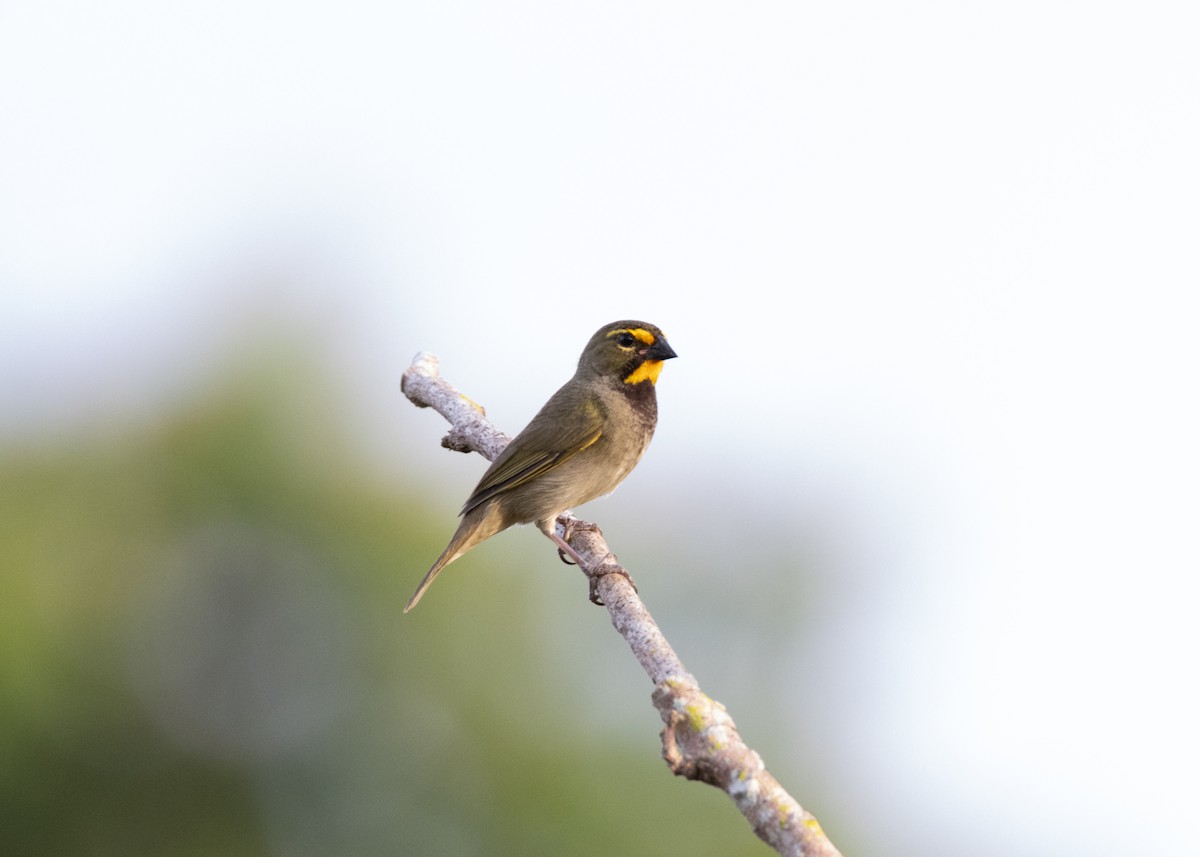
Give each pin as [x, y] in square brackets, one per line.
[581, 444]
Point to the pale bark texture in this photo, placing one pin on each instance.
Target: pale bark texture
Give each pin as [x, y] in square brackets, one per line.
[700, 740]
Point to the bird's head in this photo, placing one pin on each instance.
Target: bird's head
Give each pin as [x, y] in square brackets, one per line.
[631, 351]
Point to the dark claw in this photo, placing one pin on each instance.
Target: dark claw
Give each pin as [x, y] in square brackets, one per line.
[562, 555]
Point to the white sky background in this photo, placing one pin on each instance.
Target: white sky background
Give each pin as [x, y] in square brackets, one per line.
[936, 258]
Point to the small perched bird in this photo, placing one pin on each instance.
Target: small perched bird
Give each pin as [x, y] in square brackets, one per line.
[580, 446]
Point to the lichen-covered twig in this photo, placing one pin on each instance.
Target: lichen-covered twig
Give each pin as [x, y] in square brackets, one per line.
[700, 741]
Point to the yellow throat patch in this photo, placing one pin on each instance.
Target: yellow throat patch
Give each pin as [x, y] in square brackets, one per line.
[648, 371]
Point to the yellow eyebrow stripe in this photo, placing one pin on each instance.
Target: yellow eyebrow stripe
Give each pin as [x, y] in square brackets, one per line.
[639, 333]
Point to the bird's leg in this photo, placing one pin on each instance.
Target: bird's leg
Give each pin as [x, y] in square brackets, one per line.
[565, 550]
[570, 526]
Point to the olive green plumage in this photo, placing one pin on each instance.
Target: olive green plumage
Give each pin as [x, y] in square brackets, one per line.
[580, 446]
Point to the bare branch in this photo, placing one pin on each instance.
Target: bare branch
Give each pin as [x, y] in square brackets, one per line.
[700, 740]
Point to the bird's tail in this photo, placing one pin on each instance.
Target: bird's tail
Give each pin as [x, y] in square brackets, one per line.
[470, 532]
[442, 561]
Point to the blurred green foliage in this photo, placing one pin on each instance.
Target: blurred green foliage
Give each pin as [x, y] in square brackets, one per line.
[202, 652]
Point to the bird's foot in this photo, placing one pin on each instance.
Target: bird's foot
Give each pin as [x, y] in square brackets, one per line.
[605, 569]
[606, 566]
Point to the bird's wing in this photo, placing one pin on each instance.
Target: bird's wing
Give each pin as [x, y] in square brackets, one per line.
[559, 431]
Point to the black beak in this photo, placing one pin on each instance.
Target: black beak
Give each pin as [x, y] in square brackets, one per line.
[660, 350]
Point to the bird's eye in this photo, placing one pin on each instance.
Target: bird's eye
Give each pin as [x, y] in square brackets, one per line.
[625, 340]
